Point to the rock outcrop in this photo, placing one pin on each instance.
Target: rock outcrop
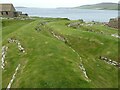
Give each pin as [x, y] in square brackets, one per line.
[114, 23]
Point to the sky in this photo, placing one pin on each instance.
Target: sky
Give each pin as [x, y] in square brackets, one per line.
[54, 3]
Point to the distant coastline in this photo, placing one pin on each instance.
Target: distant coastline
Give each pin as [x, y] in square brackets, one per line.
[98, 6]
[21, 7]
[101, 6]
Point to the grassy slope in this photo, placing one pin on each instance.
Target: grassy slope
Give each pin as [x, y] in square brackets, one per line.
[91, 50]
[49, 62]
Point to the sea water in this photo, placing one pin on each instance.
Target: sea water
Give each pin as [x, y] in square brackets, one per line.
[73, 14]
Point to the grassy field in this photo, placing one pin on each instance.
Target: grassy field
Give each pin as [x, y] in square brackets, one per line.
[51, 63]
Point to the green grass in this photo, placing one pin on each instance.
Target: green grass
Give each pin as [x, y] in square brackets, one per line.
[50, 63]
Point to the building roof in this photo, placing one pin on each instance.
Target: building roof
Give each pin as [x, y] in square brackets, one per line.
[7, 7]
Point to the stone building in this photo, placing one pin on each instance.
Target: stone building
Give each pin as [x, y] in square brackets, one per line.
[8, 10]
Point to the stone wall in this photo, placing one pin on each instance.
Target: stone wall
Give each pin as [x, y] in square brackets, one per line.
[7, 14]
[114, 23]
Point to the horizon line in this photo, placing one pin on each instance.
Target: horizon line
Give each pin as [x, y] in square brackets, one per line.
[58, 7]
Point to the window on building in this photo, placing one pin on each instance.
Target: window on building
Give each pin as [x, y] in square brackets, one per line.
[6, 13]
[1, 13]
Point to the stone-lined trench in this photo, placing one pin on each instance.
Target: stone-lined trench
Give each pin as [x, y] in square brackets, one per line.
[4, 53]
[109, 61]
[81, 66]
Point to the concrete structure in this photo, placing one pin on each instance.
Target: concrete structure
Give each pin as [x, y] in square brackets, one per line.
[8, 10]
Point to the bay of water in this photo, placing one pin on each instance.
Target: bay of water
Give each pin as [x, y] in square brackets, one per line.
[73, 14]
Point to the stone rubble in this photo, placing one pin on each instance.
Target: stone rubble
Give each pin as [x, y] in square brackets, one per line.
[98, 32]
[109, 61]
[97, 41]
[38, 27]
[13, 78]
[78, 24]
[81, 66]
[89, 24]
[84, 71]
[59, 37]
[75, 24]
[74, 51]
[10, 40]
[4, 52]
[115, 35]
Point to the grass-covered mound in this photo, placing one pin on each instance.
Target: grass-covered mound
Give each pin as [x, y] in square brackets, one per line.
[54, 52]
